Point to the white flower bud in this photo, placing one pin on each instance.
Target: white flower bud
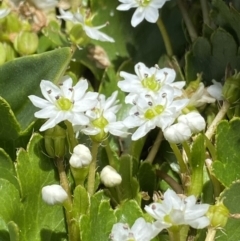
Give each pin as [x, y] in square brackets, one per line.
[194, 120]
[54, 194]
[110, 177]
[215, 90]
[81, 156]
[177, 133]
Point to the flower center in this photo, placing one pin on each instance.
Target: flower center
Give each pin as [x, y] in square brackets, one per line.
[64, 104]
[144, 3]
[153, 112]
[100, 122]
[151, 83]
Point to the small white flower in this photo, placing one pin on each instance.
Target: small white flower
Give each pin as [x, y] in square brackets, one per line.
[147, 9]
[194, 120]
[177, 133]
[140, 231]
[149, 81]
[200, 97]
[4, 12]
[91, 31]
[81, 156]
[150, 112]
[54, 194]
[64, 102]
[215, 90]
[174, 211]
[103, 118]
[110, 177]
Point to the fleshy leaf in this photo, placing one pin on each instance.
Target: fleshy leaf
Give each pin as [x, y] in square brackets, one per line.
[97, 225]
[227, 166]
[230, 198]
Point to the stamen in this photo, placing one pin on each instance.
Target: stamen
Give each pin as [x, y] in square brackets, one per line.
[153, 207]
[164, 95]
[57, 97]
[71, 89]
[150, 103]
[136, 113]
[145, 75]
[125, 226]
[156, 66]
[49, 92]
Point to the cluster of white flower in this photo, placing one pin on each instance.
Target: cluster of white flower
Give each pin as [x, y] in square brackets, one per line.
[173, 210]
[158, 101]
[89, 112]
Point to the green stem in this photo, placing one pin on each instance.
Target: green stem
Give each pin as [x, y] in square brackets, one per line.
[187, 149]
[71, 136]
[211, 234]
[165, 37]
[92, 169]
[182, 164]
[211, 148]
[136, 147]
[155, 147]
[211, 129]
[109, 154]
[174, 235]
[73, 230]
[205, 12]
[190, 27]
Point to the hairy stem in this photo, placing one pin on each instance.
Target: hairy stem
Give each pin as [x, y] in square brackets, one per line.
[211, 234]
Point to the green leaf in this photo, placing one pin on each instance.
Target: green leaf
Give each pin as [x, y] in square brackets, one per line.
[212, 57]
[227, 166]
[230, 198]
[196, 164]
[129, 186]
[128, 212]
[21, 77]
[37, 221]
[7, 170]
[97, 225]
[147, 178]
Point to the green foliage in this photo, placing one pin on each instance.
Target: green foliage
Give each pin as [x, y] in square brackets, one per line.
[226, 168]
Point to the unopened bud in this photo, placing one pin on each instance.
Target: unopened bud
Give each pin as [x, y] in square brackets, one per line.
[81, 156]
[55, 141]
[110, 177]
[218, 215]
[177, 133]
[231, 88]
[54, 194]
[194, 120]
[26, 43]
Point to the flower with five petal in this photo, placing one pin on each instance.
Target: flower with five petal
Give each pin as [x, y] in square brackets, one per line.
[149, 112]
[140, 231]
[148, 81]
[65, 102]
[174, 211]
[147, 9]
[86, 23]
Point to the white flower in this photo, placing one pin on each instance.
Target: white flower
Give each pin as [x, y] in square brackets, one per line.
[149, 81]
[45, 4]
[194, 120]
[64, 102]
[81, 156]
[174, 211]
[110, 177]
[150, 112]
[177, 133]
[54, 194]
[4, 12]
[215, 90]
[103, 118]
[200, 97]
[140, 231]
[147, 9]
[92, 32]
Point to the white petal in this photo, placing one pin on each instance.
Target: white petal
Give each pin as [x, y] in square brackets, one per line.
[49, 90]
[138, 16]
[39, 102]
[151, 14]
[119, 232]
[95, 34]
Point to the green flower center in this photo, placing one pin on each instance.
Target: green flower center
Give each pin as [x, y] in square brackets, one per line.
[153, 112]
[151, 83]
[64, 104]
[100, 123]
[144, 3]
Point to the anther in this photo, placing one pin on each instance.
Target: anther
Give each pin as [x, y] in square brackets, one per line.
[49, 92]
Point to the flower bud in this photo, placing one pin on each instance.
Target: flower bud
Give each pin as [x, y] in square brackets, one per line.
[3, 55]
[218, 215]
[215, 90]
[177, 133]
[110, 177]
[54, 194]
[55, 141]
[231, 88]
[194, 120]
[26, 43]
[81, 156]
